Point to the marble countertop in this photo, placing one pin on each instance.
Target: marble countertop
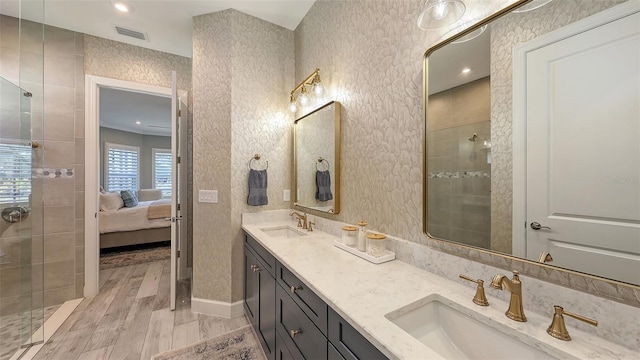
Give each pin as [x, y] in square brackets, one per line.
[363, 293]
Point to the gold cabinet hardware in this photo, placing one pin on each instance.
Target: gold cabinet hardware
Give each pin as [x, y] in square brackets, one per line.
[544, 257]
[295, 288]
[255, 268]
[515, 310]
[480, 298]
[558, 330]
[293, 333]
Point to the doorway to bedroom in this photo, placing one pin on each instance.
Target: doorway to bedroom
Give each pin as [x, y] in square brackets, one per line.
[135, 181]
[133, 204]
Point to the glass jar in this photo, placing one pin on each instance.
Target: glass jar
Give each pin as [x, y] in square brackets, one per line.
[362, 239]
[377, 245]
[349, 235]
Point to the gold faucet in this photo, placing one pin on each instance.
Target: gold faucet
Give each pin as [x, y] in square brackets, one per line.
[558, 330]
[302, 219]
[515, 311]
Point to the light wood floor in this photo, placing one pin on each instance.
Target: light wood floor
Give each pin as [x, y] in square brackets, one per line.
[130, 319]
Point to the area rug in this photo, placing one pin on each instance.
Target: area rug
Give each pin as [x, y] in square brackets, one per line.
[134, 257]
[241, 344]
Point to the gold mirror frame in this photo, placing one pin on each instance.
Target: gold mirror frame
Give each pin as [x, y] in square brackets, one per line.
[336, 160]
[592, 284]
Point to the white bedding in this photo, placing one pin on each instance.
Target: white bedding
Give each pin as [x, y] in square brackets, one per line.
[129, 219]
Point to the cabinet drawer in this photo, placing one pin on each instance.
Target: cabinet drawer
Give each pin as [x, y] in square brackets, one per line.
[349, 343]
[283, 351]
[309, 302]
[297, 330]
[262, 253]
[332, 353]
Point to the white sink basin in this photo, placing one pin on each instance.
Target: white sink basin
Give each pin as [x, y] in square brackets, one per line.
[455, 335]
[283, 232]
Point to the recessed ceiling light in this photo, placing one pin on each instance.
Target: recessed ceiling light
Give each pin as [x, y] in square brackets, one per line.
[121, 6]
[466, 70]
[138, 123]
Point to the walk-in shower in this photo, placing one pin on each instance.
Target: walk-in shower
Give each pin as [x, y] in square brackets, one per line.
[21, 191]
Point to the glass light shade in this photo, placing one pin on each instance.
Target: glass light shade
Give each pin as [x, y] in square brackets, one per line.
[532, 6]
[318, 89]
[472, 35]
[440, 13]
[303, 99]
[293, 107]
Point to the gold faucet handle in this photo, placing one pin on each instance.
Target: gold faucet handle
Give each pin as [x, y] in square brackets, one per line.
[309, 226]
[558, 330]
[480, 298]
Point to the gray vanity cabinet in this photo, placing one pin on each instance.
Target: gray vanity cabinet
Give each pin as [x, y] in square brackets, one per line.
[291, 321]
[259, 300]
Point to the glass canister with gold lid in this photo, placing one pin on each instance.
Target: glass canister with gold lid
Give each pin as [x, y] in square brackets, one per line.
[377, 245]
[349, 235]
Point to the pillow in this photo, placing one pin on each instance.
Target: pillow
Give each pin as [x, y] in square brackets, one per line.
[149, 194]
[129, 198]
[111, 201]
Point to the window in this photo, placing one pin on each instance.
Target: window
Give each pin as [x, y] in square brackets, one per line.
[15, 173]
[122, 164]
[162, 171]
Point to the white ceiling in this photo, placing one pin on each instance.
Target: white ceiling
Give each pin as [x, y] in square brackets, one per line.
[167, 23]
[120, 109]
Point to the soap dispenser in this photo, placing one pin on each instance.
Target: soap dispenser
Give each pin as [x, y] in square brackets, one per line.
[362, 236]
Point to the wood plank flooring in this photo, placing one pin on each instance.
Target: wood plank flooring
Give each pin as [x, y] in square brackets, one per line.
[130, 319]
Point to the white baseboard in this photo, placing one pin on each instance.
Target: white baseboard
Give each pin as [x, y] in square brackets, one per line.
[217, 308]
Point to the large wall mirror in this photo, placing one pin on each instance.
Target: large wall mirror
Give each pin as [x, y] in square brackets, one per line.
[317, 159]
[533, 136]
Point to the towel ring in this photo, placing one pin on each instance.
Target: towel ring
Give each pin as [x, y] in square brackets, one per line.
[320, 160]
[256, 157]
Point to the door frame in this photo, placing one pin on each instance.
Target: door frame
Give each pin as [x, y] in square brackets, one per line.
[92, 181]
[519, 124]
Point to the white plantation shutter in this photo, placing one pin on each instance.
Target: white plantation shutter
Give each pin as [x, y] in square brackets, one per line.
[15, 173]
[162, 171]
[122, 166]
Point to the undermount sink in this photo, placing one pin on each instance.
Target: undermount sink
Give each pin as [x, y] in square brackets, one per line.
[283, 232]
[435, 322]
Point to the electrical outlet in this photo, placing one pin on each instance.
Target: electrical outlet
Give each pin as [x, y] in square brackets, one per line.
[286, 195]
[208, 196]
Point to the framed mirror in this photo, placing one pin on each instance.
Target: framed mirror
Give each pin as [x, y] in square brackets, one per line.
[532, 120]
[317, 159]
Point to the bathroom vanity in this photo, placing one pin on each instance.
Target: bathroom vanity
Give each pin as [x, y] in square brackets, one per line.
[309, 299]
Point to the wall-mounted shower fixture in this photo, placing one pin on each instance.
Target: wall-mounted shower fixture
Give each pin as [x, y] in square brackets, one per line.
[474, 137]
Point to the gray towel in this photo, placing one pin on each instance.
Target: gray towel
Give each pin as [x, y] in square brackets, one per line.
[257, 188]
[323, 188]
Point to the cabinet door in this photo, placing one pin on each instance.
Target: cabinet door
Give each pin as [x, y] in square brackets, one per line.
[250, 287]
[266, 322]
[283, 352]
[259, 301]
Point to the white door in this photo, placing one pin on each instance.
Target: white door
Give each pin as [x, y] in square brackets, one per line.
[175, 213]
[583, 150]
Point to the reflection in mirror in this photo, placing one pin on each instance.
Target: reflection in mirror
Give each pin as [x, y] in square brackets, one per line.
[532, 137]
[317, 159]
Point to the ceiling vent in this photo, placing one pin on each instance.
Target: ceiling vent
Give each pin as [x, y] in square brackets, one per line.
[131, 33]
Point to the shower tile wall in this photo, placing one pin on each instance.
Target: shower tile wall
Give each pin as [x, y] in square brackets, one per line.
[459, 192]
[57, 189]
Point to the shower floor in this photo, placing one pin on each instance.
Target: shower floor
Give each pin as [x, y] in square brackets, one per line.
[11, 329]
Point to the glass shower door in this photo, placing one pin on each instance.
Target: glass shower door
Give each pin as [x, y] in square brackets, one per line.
[20, 280]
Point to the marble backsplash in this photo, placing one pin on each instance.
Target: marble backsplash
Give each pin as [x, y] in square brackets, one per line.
[617, 319]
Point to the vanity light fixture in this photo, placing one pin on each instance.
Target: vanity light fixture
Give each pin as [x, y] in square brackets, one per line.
[440, 13]
[302, 99]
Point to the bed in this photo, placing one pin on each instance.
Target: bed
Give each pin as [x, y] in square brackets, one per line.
[141, 224]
